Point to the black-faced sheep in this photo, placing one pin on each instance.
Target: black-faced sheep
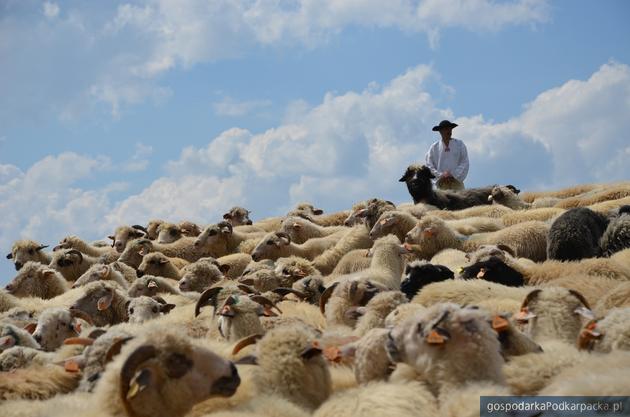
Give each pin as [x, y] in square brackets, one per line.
[420, 273]
[575, 235]
[71, 263]
[496, 270]
[418, 179]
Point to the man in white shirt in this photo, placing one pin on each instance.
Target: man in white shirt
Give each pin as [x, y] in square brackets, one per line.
[448, 158]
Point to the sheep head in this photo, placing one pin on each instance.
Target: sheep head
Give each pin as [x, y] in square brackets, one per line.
[169, 376]
[272, 246]
[168, 232]
[238, 216]
[124, 234]
[26, 250]
[35, 280]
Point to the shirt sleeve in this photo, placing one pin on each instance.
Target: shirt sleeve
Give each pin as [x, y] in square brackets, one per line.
[462, 167]
[431, 162]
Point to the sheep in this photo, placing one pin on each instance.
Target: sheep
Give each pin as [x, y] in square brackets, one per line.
[300, 230]
[26, 250]
[607, 334]
[239, 317]
[387, 264]
[7, 301]
[158, 264]
[418, 179]
[224, 239]
[494, 269]
[11, 335]
[312, 287]
[168, 233]
[38, 382]
[368, 354]
[466, 292]
[278, 245]
[103, 302]
[605, 207]
[151, 231]
[108, 254]
[37, 280]
[618, 296]
[594, 287]
[141, 309]
[99, 272]
[294, 268]
[54, 325]
[554, 313]
[432, 234]
[376, 310]
[420, 273]
[71, 263]
[150, 285]
[354, 261]
[471, 225]
[341, 296]
[452, 259]
[451, 346]
[402, 313]
[614, 192]
[507, 197]
[159, 374]
[544, 202]
[356, 238]
[290, 365]
[494, 211]
[616, 237]
[199, 275]
[238, 216]
[234, 264]
[394, 222]
[530, 196]
[124, 234]
[575, 235]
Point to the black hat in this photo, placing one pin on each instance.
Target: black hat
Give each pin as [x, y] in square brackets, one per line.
[443, 124]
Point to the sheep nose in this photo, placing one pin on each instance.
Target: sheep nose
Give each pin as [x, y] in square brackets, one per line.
[37, 338]
[9, 288]
[227, 385]
[248, 222]
[18, 266]
[255, 257]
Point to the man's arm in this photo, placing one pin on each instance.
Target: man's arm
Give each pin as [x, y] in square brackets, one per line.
[431, 161]
[462, 168]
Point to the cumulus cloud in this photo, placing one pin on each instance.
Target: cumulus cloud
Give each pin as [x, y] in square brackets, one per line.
[229, 106]
[116, 52]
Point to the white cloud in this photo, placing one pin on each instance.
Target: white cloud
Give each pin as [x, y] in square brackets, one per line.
[229, 106]
[51, 10]
[117, 54]
[139, 161]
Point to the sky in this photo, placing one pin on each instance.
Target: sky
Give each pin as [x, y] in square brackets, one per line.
[119, 112]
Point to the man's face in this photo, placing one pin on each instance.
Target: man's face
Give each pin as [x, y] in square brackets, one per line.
[446, 133]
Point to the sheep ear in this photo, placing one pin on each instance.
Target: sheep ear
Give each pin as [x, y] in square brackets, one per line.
[105, 271]
[585, 312]
[325, 296]
[30, 327]
[311, 351]
[163, 261]
[361, 213]
[227, 216]
[105, 301]
[111, 237]
[507, 249]
[166, 308]
[48, 273]
[42, 247]
[354, 313]
[500, 324]
[74, 364]
[10, 256]
[84, 341]
[296, 225]
[318, 211]
[406, 175]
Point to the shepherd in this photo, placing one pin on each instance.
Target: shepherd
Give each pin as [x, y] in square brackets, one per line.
[448, 158]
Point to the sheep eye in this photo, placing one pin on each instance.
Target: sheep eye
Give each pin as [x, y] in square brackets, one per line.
[31, 251]
[270, 242]
[131, 311]
[212, 232]
[155, 309]
[419, 328]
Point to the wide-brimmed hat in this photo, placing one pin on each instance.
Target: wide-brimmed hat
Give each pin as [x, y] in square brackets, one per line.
[443, 125]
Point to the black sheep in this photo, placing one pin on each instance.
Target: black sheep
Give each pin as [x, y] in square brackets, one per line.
[575, 235]
[419, 274]
[616, 237]
[494, 269]
[418, 179]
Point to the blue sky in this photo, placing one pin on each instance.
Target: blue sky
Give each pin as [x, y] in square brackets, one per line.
[119, 112]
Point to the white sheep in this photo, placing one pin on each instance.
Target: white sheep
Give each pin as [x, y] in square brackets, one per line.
[107, 253]
[37, 280]
[99, 272]
[26, 250]
[143, 308]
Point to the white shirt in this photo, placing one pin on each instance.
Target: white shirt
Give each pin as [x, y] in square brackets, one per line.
[454, 159]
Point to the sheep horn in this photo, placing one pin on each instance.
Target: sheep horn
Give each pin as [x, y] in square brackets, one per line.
[141, 228]
[325, 296]
[246, 341]
[79, 254]
[208, 296]
[140, 355]
[284, 291]
[75, 313]
[247, 288]
[506, 248]
[85, 341]
[580, 297]
[264, 301]
[532, 295]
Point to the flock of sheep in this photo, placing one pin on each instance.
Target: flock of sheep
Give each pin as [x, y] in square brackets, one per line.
[381, 310]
